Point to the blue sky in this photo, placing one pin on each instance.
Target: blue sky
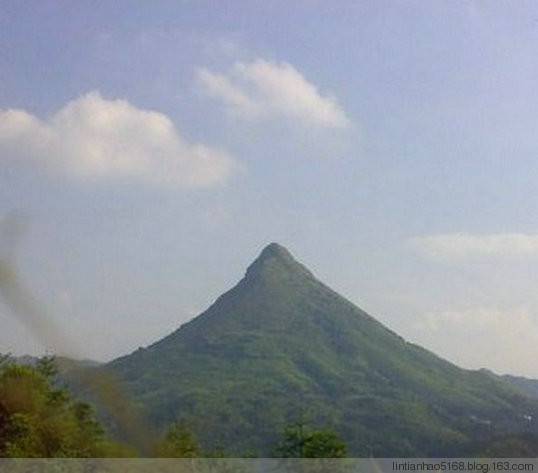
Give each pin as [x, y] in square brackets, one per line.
[152, 149]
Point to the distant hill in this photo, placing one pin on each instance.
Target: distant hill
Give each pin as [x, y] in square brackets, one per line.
[65, 364]
[526, 385]
[282, 345]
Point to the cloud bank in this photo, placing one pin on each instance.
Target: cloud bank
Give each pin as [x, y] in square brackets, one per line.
[504, 340]
[262, 89]
[462, 246]
[94, 138]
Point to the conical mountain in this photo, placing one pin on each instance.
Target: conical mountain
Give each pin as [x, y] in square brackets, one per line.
[281, 345]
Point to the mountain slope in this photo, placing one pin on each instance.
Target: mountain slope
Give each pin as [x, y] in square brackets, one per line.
[281, 344]
[527, 385]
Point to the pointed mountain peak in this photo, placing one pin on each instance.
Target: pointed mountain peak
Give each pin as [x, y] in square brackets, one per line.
[276, 258]
[274, 250]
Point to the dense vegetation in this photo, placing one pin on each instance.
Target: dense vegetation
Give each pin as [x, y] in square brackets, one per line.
[301, 441]
[40, 419]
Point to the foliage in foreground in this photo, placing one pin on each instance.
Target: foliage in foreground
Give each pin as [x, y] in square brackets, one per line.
[178, 442]
[39, 419]
[299, 441]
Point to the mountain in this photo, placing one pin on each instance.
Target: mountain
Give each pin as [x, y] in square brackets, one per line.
[65, 364]
[527, 385]
[281, 345]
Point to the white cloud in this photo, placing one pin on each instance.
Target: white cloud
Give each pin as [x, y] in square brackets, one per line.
[263, 89]
[461, 246]
[504, 340]
[94, 138]
[238, 101]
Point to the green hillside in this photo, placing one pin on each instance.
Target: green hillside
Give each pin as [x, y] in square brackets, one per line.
[281, 345]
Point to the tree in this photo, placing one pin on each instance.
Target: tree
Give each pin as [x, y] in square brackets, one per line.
[301, 442]
[39, 419]
[178, 442]
[47, 366]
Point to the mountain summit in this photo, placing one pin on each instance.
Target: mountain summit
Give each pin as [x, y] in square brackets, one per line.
[275, 257]
[274, 251]
[281, 345]
[277, 295]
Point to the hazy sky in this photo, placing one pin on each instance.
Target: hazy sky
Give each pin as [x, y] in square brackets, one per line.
[152, 149]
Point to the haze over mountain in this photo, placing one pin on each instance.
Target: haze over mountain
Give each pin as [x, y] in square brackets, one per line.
[281, 345]
[64, 363]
